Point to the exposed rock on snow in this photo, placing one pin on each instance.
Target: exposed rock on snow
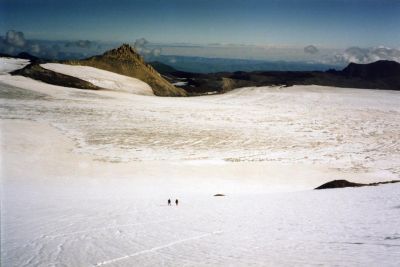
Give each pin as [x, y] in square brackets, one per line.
[339, 184]
[345, 183]
[36, 72]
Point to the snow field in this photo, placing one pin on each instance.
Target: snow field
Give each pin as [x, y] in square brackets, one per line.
[93, 226]
[85, 177]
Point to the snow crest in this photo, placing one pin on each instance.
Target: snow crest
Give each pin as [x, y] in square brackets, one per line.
[102, 78]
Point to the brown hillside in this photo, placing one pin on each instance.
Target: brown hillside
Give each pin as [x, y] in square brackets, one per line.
[126, 61]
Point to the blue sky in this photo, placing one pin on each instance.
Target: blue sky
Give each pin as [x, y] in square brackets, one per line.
[326, 23]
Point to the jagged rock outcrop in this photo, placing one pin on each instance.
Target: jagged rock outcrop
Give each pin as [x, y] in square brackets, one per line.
[126, 61]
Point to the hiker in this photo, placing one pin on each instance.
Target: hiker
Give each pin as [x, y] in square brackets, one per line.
[169, 202]
[176, 202]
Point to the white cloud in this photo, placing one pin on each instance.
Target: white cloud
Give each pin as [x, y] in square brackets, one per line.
[156, 52]
[141, 42]
[141, 46]
[367, 55]
[15, 38]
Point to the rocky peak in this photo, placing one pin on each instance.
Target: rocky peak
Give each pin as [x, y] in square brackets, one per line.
[125, 51]
[125, 60]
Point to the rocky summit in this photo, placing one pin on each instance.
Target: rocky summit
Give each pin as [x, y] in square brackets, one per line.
[126, 61]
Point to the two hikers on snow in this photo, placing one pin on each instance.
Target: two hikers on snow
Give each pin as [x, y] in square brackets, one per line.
[176, 202]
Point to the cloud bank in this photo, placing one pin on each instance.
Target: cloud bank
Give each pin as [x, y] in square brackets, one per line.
[14, 42]
[362, 55]
[368, 55]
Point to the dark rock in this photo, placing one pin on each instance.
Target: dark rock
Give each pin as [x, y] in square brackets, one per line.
[25, 55]
[376, 70]
[219, 195]
[386, 182]
[339, 184]
[345, 183]
[5, 55]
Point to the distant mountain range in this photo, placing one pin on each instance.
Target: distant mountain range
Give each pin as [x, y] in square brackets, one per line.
[377, 75]
[212, 65]
[161, 77]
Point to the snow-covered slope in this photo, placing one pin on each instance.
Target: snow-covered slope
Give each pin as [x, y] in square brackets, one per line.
[10, 64]
[102, 78]
[72, 211]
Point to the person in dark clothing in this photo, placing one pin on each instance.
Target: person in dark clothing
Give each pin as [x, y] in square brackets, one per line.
[169, 202]
[176, 202]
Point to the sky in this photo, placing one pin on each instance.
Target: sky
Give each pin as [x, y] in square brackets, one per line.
[283, 24]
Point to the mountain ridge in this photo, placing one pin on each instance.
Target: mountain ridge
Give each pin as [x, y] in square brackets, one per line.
[381, 74]
[165, 80]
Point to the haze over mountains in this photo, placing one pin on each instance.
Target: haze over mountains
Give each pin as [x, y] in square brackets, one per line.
[206, 58]
[209, 65]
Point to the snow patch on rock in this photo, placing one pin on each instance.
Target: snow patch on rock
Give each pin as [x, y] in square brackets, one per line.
[102, 78]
